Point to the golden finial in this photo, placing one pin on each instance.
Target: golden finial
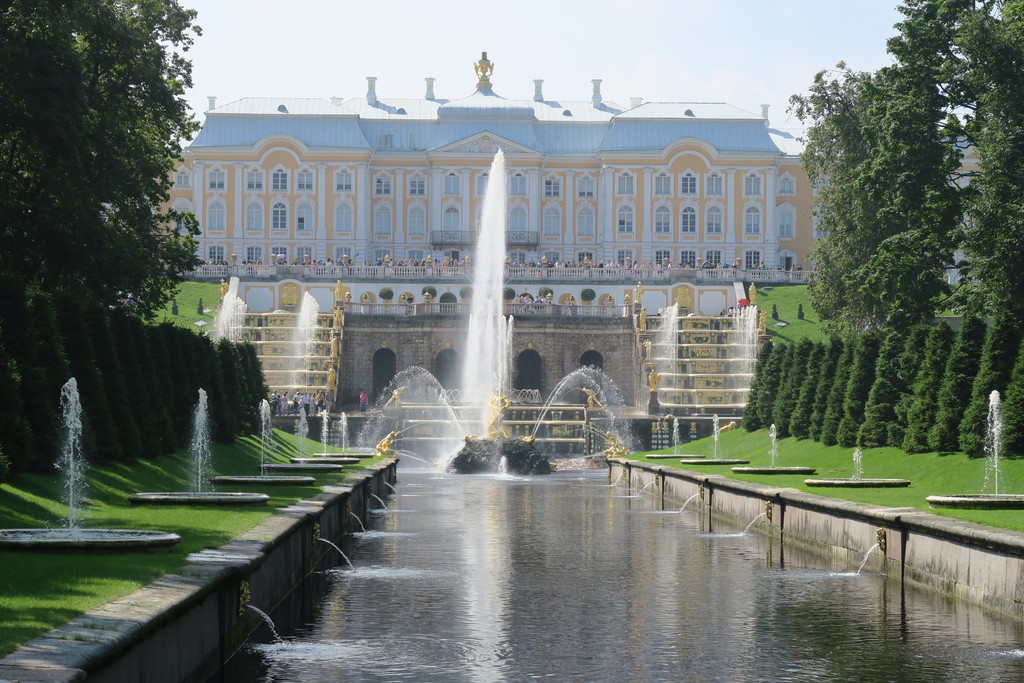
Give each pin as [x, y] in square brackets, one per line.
[484, 68]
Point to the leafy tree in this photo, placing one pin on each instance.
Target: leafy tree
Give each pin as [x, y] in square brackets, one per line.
[955, 393]
[91, 98]
[997, 359]
[858, 386]
[800, 420]
[881, 426]
[922, 411]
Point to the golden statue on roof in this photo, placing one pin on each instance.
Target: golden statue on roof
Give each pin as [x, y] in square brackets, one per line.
[484, 68]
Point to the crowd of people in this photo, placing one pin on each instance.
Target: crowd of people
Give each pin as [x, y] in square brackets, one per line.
[446, 262]
[281, 403]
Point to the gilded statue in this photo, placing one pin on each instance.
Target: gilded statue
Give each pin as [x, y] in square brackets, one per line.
[643, 319]
[339, 291]
[627, 299]
[753, 292]
[335, 345]
[592, 400]
[653, 378]
[614, 450]
[647, 349]
[365, 298]
[332, 377]
[638, 292]
[223, 288]
[396, 398]
[498, 404]
[484, 68]
[762, 318]
[348, 296]
[337, 318]
[385, 448]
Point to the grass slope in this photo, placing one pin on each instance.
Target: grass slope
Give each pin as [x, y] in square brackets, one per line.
[39, 591]
[787, 299]
[929, 473]
[188, 297]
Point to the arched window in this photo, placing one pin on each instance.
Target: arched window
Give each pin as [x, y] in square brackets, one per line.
[688, 183]
[786, 185]
[279, 216]
[662, 221]
[585, 222]
[785, 225]
[215, 216]
[382, 186]
[343, 218]
[752, 185]
[517, 219]
[752, 221]
[382, 220]
[625, 219]
[254, 217]
[713, 185]
[663, 184]
[688, 221]
[713, 221]
[452, 219]
[417, 221]
[279, 181]
[552, 222]
[304, 218]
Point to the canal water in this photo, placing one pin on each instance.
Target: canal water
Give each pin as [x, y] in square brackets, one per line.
[568, 578]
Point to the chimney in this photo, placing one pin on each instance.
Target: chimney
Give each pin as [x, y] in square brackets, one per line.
[430, 88]
[337, 101]
[764, 111]
[371, 90]
[538, 94]
[596, 98]
[211, 102]
[635, 102]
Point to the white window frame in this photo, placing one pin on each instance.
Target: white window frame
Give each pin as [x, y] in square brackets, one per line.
[713, 256]
[517, 185]
[254, 254]
[785, 222]
[216, 217]
[552, 221]
[688, 184]
[304, 218]
[663, 184]
[552, 188]
[417, 186]
[585, 187]
[625, 184]
[517, 219]
[752, 185]
[279, 217]
[625, 220]
[279, 180]
[661, 254]
[343, 181]
[481, 184]
[382, 220]
[662, 221]
[752, 259]
[585, 222]
[622, 254]
[183, 180]
[713, 220]
[216, 179]
[216, 252]
[382, 186]
[254, 217]
[304, 181]
[688, 221]
[752, 221]
[344, 219]
[451, 219]
[417, 222]
[254, 180]
[714, 185]
[688, 258]
[452, 184]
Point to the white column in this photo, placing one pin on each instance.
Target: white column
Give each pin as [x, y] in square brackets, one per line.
[321, 212]
[239, 208]
[607, 213]
[399, 235]
[771, 238]
[535, 194]
[730, 232]
[364, 197]
[643, 250]
[568, 232]
[434, 187]
[465, 194]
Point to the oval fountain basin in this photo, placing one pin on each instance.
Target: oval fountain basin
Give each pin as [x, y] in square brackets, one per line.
[859, 483]
[191, 498]
[265, 480]
[87, 540]
[662, 456]
[370, 454]
[774, 470]
[712, 461]
[978, 501]
[303, 467]
[328, 459]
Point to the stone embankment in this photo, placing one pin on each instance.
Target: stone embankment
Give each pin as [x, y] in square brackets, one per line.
[972, 562]
[183, 626]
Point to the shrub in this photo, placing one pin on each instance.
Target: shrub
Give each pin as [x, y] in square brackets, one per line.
[509, 294]
[775, 312]
[386, 293]
[800, 311]
[588, 294]
[429, 289]
[827, 433]
[544, 291]
[466, 292]
[752, 411]
[826, 377]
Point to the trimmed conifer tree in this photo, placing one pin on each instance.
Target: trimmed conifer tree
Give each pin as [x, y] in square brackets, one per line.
[1013, 410]
[154, 339]
[828, 434]
[769, 390]
[880, 427]
[17, 433]
[800, 420]
[909, 362]
[858, 386]
[751, 416]
[998, 356]
[792, 382]
[50, 362]
[957, 382]
[921, 415]
[834, 348]
[112, 369]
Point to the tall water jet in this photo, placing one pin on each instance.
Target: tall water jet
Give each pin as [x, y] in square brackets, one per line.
[486, 369]
[199, 448]
[993, 441]
[231, 315]
[266, 432]
[325, 429]
[71, 458]
[302, 430]
[341, 429]
[304, 341]
[858, 465]
[773, 447]
[718, 430]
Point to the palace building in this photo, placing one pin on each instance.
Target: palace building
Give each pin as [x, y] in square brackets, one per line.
[687, 184]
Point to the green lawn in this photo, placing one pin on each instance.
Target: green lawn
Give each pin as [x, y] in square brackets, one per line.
[929, 473]
[188, 298]
[787, 299]
[39, 591]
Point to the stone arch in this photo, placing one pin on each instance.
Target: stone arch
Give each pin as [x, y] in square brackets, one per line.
[528, 369]
[384, 365]
[446, 368]
[593, 359]
[448, 301]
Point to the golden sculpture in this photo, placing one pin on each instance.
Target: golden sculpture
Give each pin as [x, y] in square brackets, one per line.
[337, 318]
[223, 288]
[592, 400]
[643, 319]
[647, 349]
[762, 318]
[428, 297]
[638, 292]
[611, 300]
[484, 68]
[332, 377]
[572, 300]
[498, 404]
[753, 292]
[348, 296]
[627, 299]
[335, 345]
[614, 450]
[385, 448]
[338, 291]
[365, 298]
[653, 378]
[396, 398]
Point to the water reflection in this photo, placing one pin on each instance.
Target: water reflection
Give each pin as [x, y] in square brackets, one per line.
[489, 579]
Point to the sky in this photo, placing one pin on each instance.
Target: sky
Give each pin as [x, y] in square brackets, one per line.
[743, 52]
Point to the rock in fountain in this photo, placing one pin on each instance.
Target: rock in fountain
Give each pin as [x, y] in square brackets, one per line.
[201, 458]
[857, 480]
[986, 501]
[520, 456]
[74, 538]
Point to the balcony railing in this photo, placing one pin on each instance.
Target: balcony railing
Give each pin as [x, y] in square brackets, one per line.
[514, 309]
[464, 238]
[518, 275]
